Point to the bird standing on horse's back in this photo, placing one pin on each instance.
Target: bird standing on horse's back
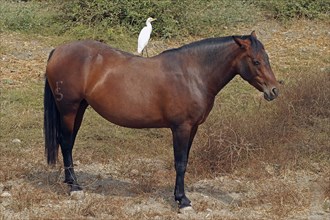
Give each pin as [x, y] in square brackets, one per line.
[144, 36]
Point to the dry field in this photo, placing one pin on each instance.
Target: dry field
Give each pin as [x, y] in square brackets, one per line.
[266, 165]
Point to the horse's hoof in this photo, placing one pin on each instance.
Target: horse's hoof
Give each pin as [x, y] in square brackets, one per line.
[186, 210]
[74, 187]
[77, 195]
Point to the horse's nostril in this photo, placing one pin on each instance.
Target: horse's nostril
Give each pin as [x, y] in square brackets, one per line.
[275, 91]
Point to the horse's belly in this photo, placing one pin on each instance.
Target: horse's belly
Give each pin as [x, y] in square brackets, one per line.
[131, 115]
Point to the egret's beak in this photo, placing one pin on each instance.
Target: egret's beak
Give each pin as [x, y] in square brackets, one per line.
[154, 19]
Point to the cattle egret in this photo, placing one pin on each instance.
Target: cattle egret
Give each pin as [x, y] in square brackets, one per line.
[144, 36]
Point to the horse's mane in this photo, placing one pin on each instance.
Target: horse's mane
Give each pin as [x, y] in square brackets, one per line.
[209, 43]
[201, 44]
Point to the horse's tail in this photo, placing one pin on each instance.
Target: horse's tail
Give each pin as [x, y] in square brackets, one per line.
[51, 123]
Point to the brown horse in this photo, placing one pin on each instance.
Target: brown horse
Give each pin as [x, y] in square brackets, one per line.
[175, 89]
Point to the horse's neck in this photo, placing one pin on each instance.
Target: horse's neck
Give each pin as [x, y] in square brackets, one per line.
[217, 67]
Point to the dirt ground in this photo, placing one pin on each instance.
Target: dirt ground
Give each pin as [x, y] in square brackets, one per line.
[29, 189]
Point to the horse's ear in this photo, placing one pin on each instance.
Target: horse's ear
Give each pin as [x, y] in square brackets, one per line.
[253, 34]
[243, 43]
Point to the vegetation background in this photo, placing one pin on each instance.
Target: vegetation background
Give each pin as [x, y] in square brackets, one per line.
[251, 159]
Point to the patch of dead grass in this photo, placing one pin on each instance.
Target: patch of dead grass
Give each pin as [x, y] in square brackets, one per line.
[289, 131]
[278, 198]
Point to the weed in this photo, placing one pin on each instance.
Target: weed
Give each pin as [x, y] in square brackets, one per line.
[279, 198]
[28, 17]
[285, 10]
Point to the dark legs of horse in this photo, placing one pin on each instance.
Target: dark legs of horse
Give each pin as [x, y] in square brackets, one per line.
[182, 140]
[66, 142]
[70, 124]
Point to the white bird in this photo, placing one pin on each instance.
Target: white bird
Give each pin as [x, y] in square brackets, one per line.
[144, 36]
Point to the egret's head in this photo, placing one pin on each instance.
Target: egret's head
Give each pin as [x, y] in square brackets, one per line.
[150, 19]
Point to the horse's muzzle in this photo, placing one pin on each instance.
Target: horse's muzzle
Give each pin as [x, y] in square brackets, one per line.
[271, 94]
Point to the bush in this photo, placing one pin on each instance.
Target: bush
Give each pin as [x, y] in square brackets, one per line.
[121, 20]
[126, 15]
[174, 18]
[288, 9]
[287, 132]
[180, 18]
[29, 17]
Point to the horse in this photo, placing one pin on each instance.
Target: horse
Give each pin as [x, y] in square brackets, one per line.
[175, 89]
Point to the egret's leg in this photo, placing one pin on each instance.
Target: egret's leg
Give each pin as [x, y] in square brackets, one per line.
[147, 51]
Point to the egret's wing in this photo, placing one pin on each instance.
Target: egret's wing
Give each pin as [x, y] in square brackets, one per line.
[143, 39]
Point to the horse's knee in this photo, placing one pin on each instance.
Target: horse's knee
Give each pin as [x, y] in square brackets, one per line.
[180, 167]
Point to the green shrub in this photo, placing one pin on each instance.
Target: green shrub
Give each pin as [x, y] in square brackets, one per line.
[124, 14]
[31, 17]
[288, 9]
[121, 20]
[174, 18]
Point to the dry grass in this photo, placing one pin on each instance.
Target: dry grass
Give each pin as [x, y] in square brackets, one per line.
[279, 197]
[296, 127]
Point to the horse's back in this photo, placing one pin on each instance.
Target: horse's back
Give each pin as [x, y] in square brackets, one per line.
[78, 53]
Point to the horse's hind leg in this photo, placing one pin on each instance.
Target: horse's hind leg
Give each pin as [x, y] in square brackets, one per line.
[70, 124]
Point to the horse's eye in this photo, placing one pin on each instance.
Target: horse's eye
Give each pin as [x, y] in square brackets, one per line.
[256, 62]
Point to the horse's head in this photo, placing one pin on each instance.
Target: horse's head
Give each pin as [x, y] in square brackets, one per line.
[254, 66]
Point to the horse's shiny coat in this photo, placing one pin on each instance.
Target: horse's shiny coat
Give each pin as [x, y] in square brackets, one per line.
[175, 89]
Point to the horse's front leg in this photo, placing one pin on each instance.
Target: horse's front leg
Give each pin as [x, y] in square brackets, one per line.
[179, 192]
[182, 140]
